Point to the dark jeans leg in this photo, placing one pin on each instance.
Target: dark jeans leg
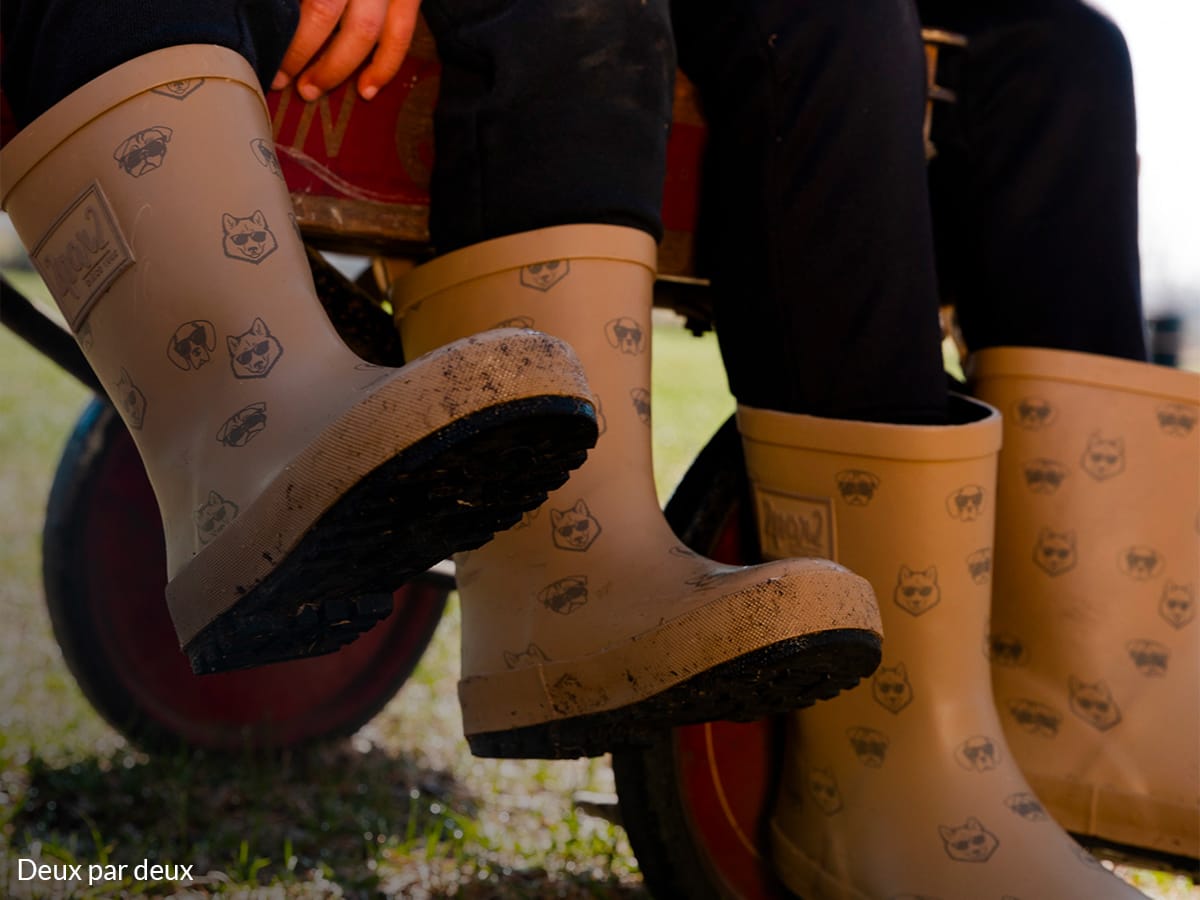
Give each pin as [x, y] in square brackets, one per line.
[550, 112]
[1034, 187]
[52, 47]
[815, 218]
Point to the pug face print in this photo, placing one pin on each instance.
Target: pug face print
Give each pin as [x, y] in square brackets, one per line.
[131, 400]
[1104, 458]
[1054, 552]
[248, 239]
[1032, 413]
[1141, 563]
[641, 404]
[1006, 650]
[253, 353]
[917, 592]
[533, 655]
[969, 842]
[966, 503]
[625, 335]
[192, 344]
[1043, 476]
[244, 425]
[891, 688]
[979, 565]
[143, 151]
[870, 746]
[1178, 604]
[264, 152]
[545, 275]
[214, 517]
[823, 788]
[565, 595]
[1150, 657]
[856, 486]
[1027, 806]
[977, 754]
[575, 528]
[1093, 702]
[1035, 718]
[1176, 420]
[179, 90]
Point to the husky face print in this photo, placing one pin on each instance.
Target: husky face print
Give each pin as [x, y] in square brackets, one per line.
[179, 90]
[253, 353]
[1035, 718]
[966, 503]
[917, 592]
[625, 335]
[1027, 806]
[248, 239]
[891, 688]
[1093, 702]
[132, 401]
[1141, 563]
[1104, 458]
[1178, 604]
[641, 404]
[1176, 420]
[575, 528]
[1054, 551]
[214, 516]
[969, 842]
[533, 655]
[244, 425]
[823, 788]
[1043, 476]
[856, 486]
[977, 754]
[266, 156]
[545, 275]
[144, 151]
[869, 745]
[192, 344]
[1006, 650]
[565, 595]
[979, 565]
[1150, 657]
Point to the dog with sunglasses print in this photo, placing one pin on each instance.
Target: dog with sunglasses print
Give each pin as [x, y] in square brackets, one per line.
[248, 239]
[143, 152]
[253, 353]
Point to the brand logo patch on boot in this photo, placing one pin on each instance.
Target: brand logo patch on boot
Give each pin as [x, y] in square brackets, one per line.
[917, 592]
[1178, 604]
[132, 401]
[179, 90]
[244, 425]
[1150, 657]
[1054, 551]
[977, 754]
[1035, 718]
[1176, 419]
[575, 528]
[249, 239]
[81, 254]
[143, 152]
[214, 516]
[1141, 563]
[1043, 476]
[192, 344]
[970, 842]
[545, 275]
[966, 503]
[857, 486]
[1093, 702]
[1033, 413]
[793, 526]
[870, 746]
[1027, 806]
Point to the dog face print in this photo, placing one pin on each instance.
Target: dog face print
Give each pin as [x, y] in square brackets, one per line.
[1027, 806]
[179, 90]
[253, 353]
[545, 275]
[1043, 476]
[144, 151]
[214, 517]
[1103, 458]
[625, 335]
[979, 565]
[1141, 563]
[1006, 650]
[856, 486]
[891, 689]
[1150, 657]
[565, 595]
[1178, 604]
[966, 503]
[248, 239]
[869, 745]
[516, 322]
[532, 655]
[132, 401]
[970, 842]
[570, 697]
[1176, 420]
[1093, 702]
[823, 788]
[1035, 718]
[244, 425]
[977, 754]
[641, 404]
[917, 592]
[1054, 551]
[575, 528]
[1032, 413]
[266, 156]
[192, 344]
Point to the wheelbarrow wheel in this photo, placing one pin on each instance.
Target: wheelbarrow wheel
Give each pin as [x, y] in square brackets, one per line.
[695, 802]
[104, 571]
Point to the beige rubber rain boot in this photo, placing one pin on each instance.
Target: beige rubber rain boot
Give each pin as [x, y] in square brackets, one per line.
[904, 787]
[1095, 643]
[292, 477]
[591, 625]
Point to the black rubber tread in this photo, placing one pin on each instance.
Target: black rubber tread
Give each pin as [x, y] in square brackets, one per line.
[784, 676]
[450, 492]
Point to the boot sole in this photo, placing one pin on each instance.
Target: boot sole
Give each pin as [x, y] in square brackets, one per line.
[449, 492]
[784, 676]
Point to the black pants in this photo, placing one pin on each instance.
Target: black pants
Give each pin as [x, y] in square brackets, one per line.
[816, 225]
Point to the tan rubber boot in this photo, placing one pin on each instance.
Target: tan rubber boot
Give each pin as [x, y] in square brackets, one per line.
[904, 787]
[292, 477]
[592, 625]
[1095, 643]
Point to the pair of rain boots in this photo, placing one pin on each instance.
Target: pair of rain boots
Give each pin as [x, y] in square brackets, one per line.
[926, 782]
[297, 483]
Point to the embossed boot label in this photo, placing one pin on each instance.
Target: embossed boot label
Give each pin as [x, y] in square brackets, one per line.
[792, 526]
